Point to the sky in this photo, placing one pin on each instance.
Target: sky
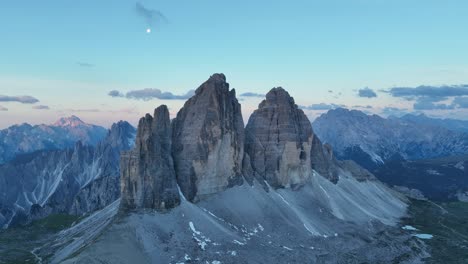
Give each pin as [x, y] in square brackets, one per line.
[110, 60]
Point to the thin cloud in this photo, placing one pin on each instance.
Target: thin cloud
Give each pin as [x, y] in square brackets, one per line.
[440, 92]
[115, 93]
[152, 93]
[92, 110]
[2, 108]
[433, 97]
[321, 106]
[129, 110]
[249, 94]
[460, 102]
[41, 107]
[367, 93]
[429, 103]
[151, 16]
[132, 110]
[363, 106]
[85, 64]
[24, 99]
[394, 111]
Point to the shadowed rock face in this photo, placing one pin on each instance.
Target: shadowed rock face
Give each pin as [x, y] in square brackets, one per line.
[278, 141]
[75, 181]
[323, 161]
[147, 172]
[208, 140]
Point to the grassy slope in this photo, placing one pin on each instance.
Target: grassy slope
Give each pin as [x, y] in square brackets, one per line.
[17, 244]
[448, 223]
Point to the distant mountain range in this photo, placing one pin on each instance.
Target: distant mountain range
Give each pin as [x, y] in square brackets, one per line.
[25, 138]
[371, 140]
[74, 180]
[413, 151]
[450, 124]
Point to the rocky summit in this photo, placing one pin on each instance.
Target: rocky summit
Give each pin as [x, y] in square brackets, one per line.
[278, 141]
[208, 140]
[147, 172]
[202, 151]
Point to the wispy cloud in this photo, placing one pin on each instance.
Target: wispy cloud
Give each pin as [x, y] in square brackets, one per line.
[151, 16]
[445, 97]
[2, 108]
[151, 93]
[91, 110]
[429, 103]
[440, 92]
[460, 102]
[24, 99]
[394, 111]
[115, 93]
[129, 110]
[85, 64]
[334, 94]
[41, 107]
[363, 106]
[250, 94]
[367, 93]
[321, 106]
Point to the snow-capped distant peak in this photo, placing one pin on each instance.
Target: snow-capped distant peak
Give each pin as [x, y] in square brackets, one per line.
[72, 121]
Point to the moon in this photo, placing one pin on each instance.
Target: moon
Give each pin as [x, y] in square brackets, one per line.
[148, 30]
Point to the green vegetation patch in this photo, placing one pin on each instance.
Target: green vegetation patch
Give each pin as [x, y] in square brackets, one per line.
[17, 243]
[448, 223]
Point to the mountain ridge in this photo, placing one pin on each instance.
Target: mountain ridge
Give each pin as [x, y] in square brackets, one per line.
[372, 139]
[72, 180]
[64, 133]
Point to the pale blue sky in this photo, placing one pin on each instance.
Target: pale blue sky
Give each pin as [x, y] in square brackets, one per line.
[308, 47]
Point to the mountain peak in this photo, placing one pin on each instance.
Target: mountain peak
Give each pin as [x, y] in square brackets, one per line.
[218, 77]
[72, 121]
[277, 97]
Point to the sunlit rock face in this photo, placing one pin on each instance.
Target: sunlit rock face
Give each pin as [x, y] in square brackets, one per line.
[208, 140]
[278, 141]
[147, 172]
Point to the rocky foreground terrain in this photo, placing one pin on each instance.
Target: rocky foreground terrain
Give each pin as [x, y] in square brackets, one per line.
[202, 189]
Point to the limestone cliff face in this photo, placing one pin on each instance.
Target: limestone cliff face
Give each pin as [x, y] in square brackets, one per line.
[278, 141]
[323, 160]
[208, 140]
[147, 172]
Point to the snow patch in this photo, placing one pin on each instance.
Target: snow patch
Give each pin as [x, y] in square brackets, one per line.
[193, 228]
[202, 240]
[239, 243]
[433, 172]
[409, 228]
[424, 236]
